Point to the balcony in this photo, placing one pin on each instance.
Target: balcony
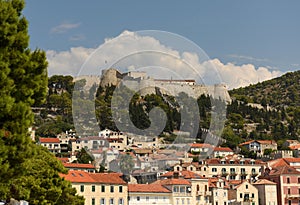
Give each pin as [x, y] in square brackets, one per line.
[208, 193]
[293, 196]
[254, 174]
[224, 174]
[233, 173]
[243, 173]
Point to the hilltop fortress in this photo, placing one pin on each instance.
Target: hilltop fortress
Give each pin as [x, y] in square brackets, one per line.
[141, 82]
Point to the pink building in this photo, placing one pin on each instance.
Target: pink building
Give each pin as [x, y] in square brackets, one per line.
[287, 179]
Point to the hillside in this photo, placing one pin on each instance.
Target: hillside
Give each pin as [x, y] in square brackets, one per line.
[278, 92]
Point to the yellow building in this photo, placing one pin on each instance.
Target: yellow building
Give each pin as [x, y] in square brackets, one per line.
[99, 188]
[244, 194]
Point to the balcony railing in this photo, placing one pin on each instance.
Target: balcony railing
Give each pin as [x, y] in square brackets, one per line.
[224, 174]
[254, 173]
[233, 173]
[243, 173]
[293, 196]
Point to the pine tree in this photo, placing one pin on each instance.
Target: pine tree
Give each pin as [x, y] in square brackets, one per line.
[28, 171]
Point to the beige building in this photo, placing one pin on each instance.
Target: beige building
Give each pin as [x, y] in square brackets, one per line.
[99, 188]
[232, 168]
[267, 192]
[219, 191]
[197, 189]
[149, 194]
[243, 194]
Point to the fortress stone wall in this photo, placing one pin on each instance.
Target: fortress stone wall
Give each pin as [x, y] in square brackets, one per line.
[149, 85]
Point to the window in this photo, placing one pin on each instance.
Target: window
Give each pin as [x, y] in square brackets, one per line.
[298, 191]
[225, 203]
[231, 162]
[93, 201]
[298, 180]
[216, 203]
[82, 188]
[232, 170]
[188, 201]
[147, 198]
[182, 201]
[120, 189]
[241, 195]
[175, 189]
[111, 201]
[177, 201]
[252, 195]
[111, 189]
[93, 188]
[121, 201]
[182, 189]
[198, 187]
[246, 186]
[102, 201]
[214, 169]
[164, 198]
[289, 191]
[290, 202]
[102, 188]
[288, 180]
[242, 162]
[138, 198]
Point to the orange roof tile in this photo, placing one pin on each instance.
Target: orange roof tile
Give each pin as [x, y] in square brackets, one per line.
[148, 188]
[184, 174]
[200, 145]
[286, 169]
[293, 147]
[172, 182]
[264, 181]
[86, 177]
[76, 165]
[49, 140]
[108, 178]
[223, 149]
[78, 176]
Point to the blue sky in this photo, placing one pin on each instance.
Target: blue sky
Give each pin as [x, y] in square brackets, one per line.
[260, 33]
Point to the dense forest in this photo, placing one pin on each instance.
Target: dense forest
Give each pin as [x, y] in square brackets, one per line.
[267, 110]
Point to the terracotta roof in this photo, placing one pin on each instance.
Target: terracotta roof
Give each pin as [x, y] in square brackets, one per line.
[223, 149]
[86, 177]
[148, 188]
[259, 141]
[235, 161]
[200, 145]
[142, 151]
[277, 162]
[293, 147]
[289, 160]
[49, 140]
[80, 166]
[78, 176]
[284, 170]
[264, 181]
[172, 182]
[108, 178]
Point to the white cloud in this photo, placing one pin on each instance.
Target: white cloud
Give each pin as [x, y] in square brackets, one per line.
[64, 27]
[129, 51]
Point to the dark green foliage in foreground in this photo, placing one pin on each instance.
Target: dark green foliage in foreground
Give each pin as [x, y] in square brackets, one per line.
[28, 172]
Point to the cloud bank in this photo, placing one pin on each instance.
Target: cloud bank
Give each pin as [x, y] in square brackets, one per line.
[131, 51]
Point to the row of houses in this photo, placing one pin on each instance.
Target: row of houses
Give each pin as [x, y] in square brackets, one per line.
[178, 188]
[278, 183]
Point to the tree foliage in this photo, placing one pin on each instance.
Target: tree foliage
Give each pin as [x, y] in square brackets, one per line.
[28, 172]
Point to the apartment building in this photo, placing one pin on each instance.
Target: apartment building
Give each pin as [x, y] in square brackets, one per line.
[232, 168]
[99, 188]
[149, 194]
[267, 192]
[244, 194]
[287, 179]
